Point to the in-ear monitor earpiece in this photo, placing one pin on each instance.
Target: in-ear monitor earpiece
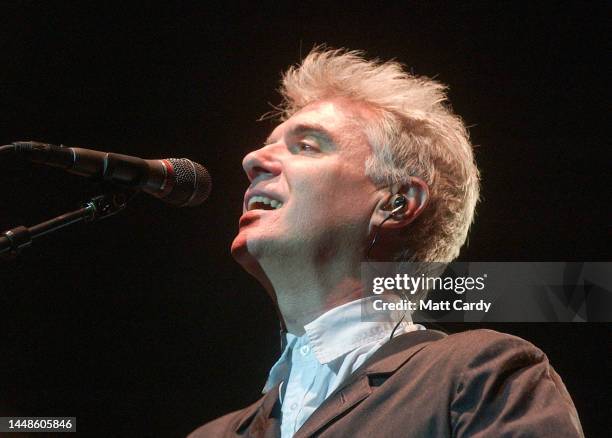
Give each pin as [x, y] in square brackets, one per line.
[398, 203]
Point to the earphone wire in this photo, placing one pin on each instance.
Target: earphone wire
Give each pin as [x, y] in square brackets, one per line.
[376, 236]
[396, 210]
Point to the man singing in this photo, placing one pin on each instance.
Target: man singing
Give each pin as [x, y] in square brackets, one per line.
[366, 149]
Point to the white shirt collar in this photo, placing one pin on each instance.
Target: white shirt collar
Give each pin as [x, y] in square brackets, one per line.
[342, 329]
[336, 333]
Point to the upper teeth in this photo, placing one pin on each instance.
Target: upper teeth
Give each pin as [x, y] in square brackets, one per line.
[265, 200]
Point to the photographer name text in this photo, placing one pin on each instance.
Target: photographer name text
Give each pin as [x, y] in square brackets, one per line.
[430, 305]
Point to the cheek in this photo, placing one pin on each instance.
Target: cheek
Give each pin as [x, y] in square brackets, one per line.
[350, 190]
[328, 189]
[343, 204]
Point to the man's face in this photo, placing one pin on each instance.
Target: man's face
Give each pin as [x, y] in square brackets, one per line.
[309, 194]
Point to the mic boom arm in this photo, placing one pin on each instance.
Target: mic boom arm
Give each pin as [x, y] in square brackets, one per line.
[97, 208]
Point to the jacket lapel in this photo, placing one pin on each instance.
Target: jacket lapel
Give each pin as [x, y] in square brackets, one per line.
[371, 374]
[262, 420]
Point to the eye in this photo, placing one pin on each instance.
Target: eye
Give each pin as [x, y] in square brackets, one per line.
[306, 147]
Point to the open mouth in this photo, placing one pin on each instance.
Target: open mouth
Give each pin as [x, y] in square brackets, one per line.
[263, 203]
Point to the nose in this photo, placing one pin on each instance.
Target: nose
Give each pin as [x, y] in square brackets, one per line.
[262, 163]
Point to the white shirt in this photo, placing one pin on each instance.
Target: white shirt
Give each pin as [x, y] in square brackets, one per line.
[313, 365]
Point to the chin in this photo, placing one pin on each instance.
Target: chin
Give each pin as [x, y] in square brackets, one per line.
[247, 259]
[239, 248]
[245, 251]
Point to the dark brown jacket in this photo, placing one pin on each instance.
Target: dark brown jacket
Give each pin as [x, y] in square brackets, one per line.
[478, 383]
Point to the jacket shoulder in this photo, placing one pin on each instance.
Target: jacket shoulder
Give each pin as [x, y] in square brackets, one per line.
[501, 384]
[485, 343]
[483, 352]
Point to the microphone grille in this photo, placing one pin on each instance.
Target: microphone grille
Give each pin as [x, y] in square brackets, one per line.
[192, 183]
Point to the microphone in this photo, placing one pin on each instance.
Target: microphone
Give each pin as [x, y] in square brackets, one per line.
[177, 181]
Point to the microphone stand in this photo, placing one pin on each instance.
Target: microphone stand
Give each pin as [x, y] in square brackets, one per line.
[97, 208]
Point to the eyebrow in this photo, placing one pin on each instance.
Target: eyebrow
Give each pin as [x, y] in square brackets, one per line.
[310, 128]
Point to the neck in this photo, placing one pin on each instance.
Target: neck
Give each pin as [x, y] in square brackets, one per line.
[304, 291]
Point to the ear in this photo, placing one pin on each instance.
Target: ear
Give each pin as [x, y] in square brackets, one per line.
[416, 194]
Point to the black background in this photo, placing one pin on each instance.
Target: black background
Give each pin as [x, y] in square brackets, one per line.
[142, 324]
